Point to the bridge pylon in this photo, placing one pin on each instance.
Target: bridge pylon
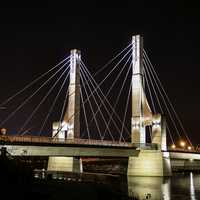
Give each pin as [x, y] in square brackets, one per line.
[151, 161]
[69, 128]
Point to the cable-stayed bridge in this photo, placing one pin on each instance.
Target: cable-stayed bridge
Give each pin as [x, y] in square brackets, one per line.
[119, 111]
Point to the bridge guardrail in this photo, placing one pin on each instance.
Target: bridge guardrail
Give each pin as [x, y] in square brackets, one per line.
[192, 150]
[50, 140]
[42, 139]
[5, 139]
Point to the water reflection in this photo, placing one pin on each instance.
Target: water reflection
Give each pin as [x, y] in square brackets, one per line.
[184, 186]
[166, 189]
[192, 189]
[152, 188]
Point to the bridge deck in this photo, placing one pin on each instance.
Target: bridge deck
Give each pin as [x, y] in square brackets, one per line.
[39, 140]
[47, 146]
[8, 139]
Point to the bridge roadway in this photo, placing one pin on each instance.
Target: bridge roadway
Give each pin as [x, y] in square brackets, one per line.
[48, 146]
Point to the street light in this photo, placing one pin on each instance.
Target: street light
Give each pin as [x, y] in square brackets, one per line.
[189, 147]
[173, 146]
[182, 143]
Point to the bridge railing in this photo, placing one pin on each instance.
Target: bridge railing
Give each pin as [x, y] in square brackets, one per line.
[192, 150]
[49, 140]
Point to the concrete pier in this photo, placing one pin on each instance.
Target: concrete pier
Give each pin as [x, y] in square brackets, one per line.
[149, 163]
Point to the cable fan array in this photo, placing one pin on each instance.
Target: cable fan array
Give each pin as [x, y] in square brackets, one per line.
[99, 120]
[160, 102]
[104, 117]
[105, 100]
[48, 81]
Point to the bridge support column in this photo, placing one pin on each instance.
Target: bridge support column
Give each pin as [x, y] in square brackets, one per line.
[64, 164]
[149, 163]
[156, 161]
[70, 127]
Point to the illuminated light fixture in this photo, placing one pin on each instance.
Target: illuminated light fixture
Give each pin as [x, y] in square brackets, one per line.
[189, 147]
[156, 126]
[135, 124]
[64, 126]
[182, 143]
[173, 146]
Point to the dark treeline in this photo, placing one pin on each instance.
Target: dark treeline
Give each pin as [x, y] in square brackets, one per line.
[15, 175]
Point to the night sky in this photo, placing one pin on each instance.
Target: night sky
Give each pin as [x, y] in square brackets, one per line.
[34, 37]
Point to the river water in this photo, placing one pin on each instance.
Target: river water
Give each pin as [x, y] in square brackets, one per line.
[181, 186]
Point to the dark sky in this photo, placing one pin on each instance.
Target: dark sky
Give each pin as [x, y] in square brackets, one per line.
[33, 37]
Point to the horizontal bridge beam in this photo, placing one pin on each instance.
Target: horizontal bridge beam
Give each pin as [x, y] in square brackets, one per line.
[184, 156]
[90, 151]
[27, 150]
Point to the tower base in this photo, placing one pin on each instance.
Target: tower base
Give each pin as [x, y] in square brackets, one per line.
[65, 164]
[150, 163]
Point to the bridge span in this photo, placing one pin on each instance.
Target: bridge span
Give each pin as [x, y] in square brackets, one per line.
[48, 146]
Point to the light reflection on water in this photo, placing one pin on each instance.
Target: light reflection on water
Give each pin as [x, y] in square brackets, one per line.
[149, 188]
[180, 186]
[192, 189]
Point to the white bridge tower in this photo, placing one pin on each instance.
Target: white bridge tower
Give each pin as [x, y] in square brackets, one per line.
[69, 128]
[151, 161]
